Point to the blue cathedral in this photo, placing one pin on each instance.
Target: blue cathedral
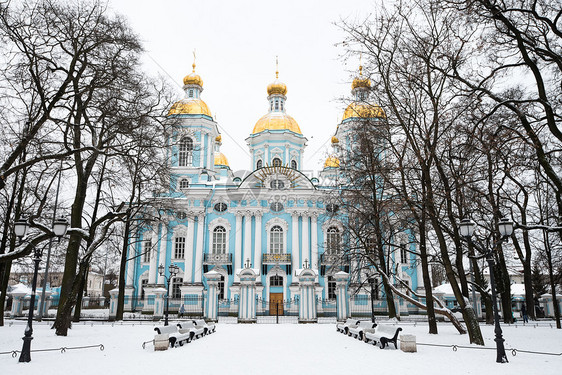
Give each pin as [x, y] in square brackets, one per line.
[274, 223]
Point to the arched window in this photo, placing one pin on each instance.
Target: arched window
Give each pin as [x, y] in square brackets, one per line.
[259, 164]
[333, 240]
[276, 239]
[219, 240]
[184, 183]
[176, 283]
[276, 162]
[185, 152]
[294, 164]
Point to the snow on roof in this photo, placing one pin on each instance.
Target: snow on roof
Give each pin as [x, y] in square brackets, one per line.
[21, 288]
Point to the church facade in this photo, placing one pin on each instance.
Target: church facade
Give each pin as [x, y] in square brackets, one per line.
[274, 220]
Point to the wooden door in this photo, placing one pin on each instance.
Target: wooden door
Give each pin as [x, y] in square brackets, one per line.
[275, 304]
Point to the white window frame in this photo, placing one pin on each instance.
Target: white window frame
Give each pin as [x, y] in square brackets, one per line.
[222, 222]
[180, 247]
[146, 249]
[284, 226]
[185, 151]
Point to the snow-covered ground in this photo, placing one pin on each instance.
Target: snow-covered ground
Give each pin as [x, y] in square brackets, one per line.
[276, 349]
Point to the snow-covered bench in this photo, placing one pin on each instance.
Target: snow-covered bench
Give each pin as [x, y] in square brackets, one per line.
[344, 327]
[207, 327]
[165, 336]
[191, 328]
[383, 335]
[358, 331]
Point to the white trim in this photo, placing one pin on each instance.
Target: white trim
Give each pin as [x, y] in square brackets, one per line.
[276, 270]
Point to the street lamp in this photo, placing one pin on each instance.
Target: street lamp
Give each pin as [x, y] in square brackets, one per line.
[173, 270]
[505, 228]
[372, 281]
[20, 228]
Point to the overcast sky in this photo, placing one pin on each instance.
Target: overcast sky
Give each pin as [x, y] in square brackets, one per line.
[236, 43]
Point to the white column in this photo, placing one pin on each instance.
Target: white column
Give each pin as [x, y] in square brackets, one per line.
[153, 267]
[266, 158]
[189, 251]
[131, 265]
[247, 238]
[287, 161]
[199, 249]
[257, 244]
[237, 246]
[314, 241]
[295, 250]
[210, 149]
[305, 247]
[163, 252]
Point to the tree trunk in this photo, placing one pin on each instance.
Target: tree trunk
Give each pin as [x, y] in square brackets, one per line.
[432, 321]
[122, 269]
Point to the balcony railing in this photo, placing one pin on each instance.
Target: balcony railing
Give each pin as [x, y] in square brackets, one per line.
[216, 259]
[272, 258]
[224, 260]
[329, 259]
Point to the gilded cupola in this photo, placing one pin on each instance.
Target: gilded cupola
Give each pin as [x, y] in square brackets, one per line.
[360, 107]
[192, 103]
[276, 118]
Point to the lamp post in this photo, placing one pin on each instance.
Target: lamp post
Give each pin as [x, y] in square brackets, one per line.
[505, 228]
[173, 270]
[20, 228]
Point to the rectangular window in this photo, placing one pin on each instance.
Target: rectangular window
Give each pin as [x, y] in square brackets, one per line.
[403, 254]
[276, 242]
[276, 280]
[221, 288]
[176, 283]
[331, 288]
[146, 249]
[144, 283]
[179, 249]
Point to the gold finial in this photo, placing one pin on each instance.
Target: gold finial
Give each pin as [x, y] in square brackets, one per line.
[276, 67]
[193, 61]
[360, 64]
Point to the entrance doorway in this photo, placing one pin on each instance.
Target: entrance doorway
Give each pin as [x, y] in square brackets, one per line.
[275, 304]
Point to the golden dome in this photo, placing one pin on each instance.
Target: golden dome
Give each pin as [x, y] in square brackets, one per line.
[335, 140]
[220, 159]
[276, 87]
[190, 106]
[276, 121]
[363, 111]
[218, 139]
[360, 81]
[192, 78]
[332, 162]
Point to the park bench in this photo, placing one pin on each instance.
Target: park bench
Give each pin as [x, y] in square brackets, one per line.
[344, 327]
[383, 335]
[358, 331]
[207, 327]
[166, 336]
[194, 330]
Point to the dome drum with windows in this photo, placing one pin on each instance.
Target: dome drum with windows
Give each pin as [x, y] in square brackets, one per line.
[359, 108]
[192, 104]
[276, 119]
